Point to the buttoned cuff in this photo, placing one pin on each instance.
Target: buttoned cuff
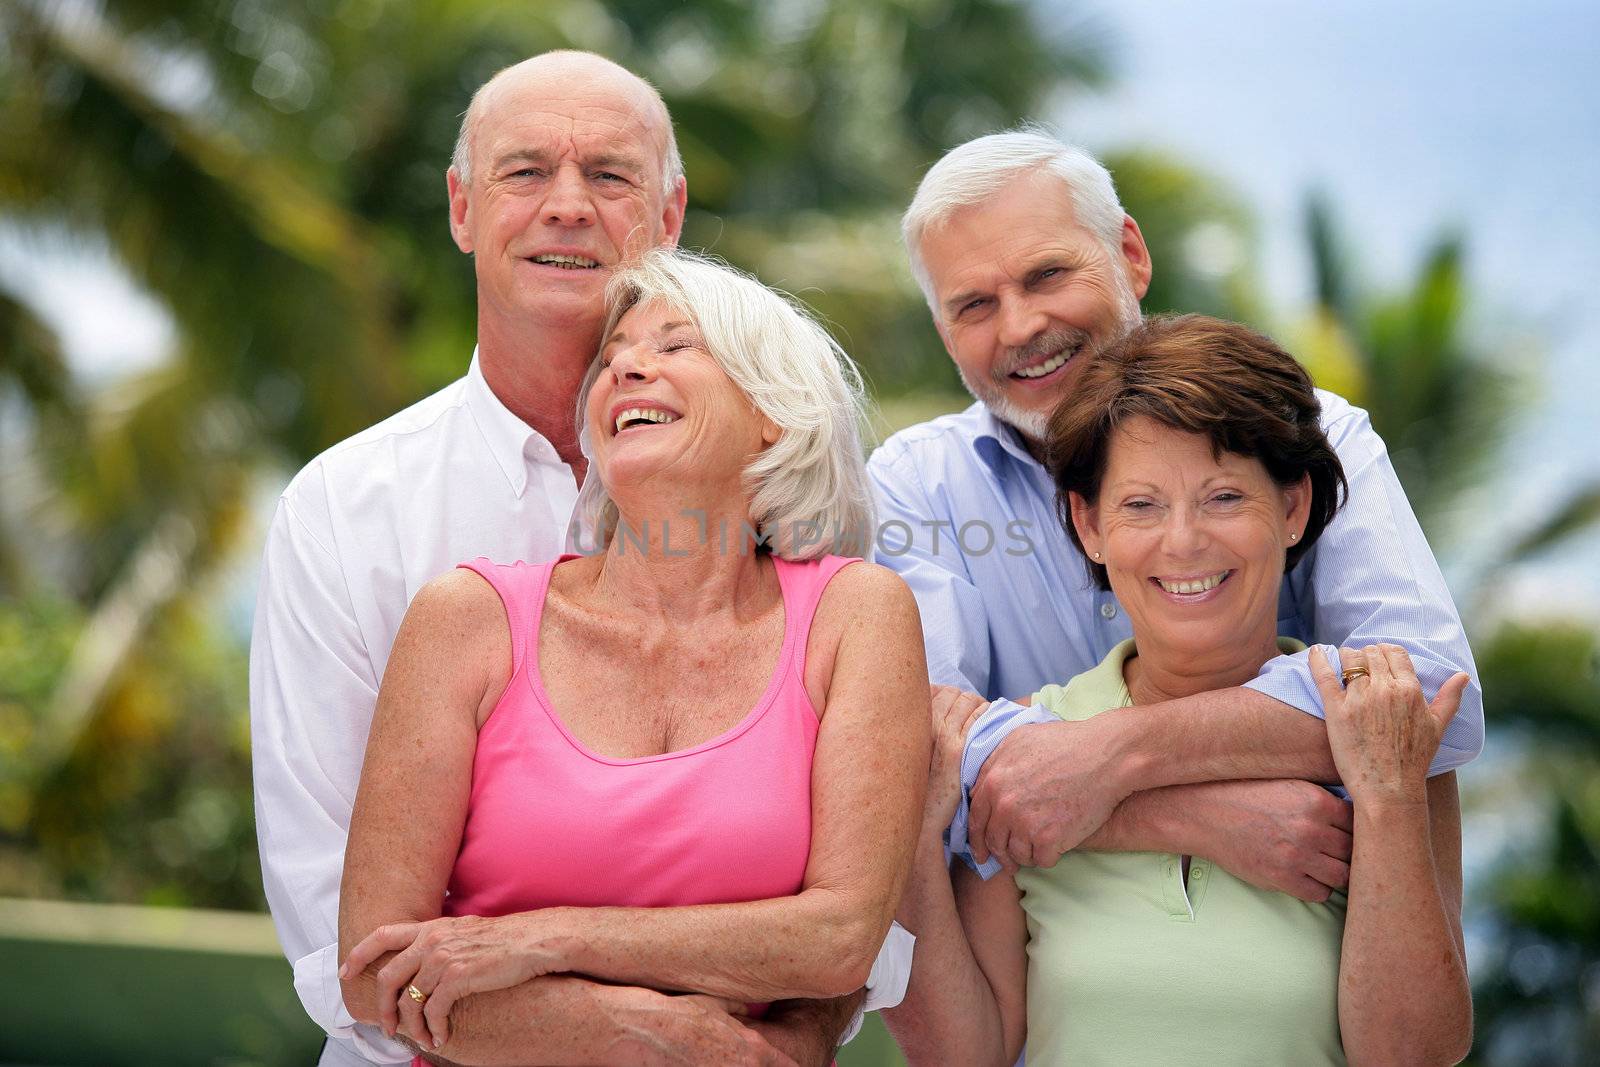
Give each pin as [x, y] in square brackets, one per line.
[316, 981]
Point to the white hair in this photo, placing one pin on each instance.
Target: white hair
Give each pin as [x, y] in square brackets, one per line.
[973, 172]
[808, 490]
[461, 156]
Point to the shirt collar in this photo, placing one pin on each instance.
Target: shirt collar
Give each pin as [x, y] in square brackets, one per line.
[513, 443]
[995, 440]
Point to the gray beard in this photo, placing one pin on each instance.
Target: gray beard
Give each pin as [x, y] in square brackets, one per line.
[1034, 425]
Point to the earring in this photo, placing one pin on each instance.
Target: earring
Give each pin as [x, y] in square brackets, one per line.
[1294, 537]
[1097, 555]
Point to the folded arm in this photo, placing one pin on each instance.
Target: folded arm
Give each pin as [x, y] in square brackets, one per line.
[1049, 786]
[809, 1031]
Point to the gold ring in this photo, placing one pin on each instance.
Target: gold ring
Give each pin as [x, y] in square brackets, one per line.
[1354, 673]
[416, 994]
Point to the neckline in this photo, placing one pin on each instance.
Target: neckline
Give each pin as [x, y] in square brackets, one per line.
[535, 680]
[1117, 659]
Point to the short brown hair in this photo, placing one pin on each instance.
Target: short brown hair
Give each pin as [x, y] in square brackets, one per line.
[1203, 376]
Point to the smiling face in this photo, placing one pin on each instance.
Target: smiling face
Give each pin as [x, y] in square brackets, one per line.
[1022, 293]
[567, 171]
[662, 405]
[1194, 543]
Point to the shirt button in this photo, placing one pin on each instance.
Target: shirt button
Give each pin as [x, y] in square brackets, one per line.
[1108, 611]
[1197, 873]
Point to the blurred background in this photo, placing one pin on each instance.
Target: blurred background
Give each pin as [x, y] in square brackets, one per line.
[223, 248]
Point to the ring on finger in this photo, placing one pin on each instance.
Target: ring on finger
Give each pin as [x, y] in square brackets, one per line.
[1352, 673]
[416, 994]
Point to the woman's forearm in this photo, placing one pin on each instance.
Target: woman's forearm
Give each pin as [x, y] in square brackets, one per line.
[555, 1020]
[950, 1013]
[1403, 990]
[817, 944]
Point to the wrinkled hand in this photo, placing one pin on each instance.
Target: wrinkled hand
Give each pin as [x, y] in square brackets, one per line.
[1045, 789]
[1381, 728]
[1280, 834]
[447, 959]
[954, 712]
[657, 1030]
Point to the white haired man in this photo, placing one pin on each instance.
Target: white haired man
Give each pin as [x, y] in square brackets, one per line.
[1029, 265]
[565, 167]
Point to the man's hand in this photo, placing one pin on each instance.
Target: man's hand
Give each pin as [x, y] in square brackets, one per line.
[1045, 789]
[1279, 834]
[655, 1030]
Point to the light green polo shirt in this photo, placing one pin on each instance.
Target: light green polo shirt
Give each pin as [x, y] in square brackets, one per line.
[1128, 966]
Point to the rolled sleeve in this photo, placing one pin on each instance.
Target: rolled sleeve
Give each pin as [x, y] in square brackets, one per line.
[1288, 678]
[992, 727]
[1371, 578]
[316, 981]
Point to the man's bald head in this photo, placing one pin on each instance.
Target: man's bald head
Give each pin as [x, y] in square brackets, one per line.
[564, 67]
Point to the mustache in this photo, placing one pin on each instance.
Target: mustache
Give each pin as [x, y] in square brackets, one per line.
[1060, 339]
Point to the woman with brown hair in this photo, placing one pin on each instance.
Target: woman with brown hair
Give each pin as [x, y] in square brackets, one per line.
[1192, 472]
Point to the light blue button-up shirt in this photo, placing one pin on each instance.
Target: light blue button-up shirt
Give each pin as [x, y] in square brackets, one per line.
[968, 518]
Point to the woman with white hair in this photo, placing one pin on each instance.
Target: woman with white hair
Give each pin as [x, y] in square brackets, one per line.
[692, 761]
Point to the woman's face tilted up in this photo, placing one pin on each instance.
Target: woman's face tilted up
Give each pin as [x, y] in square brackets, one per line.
[1194, 542]
[662, 407]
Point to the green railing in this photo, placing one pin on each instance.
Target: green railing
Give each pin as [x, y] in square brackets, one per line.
[107, 985]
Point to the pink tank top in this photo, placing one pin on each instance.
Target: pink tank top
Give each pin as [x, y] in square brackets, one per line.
[551, 823]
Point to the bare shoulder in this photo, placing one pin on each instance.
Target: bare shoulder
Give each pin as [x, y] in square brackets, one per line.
[866, 613]
[456, 625]
[459, 599]
[868, 591]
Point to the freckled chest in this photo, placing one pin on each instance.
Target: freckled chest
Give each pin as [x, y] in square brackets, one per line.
[627, 687]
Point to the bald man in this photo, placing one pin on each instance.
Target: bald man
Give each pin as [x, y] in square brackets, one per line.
[566, 165]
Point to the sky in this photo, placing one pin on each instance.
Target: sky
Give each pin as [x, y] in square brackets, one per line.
[1413, 119]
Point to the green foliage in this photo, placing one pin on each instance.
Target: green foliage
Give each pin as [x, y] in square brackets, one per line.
[152, 801]
[1201, 237]
[1542, 689]
[1441, 403]
[1547, 679]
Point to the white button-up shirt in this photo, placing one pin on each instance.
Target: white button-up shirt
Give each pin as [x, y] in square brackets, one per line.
[356, 534]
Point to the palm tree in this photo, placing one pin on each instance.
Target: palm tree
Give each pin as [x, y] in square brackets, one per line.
[1443, 408]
